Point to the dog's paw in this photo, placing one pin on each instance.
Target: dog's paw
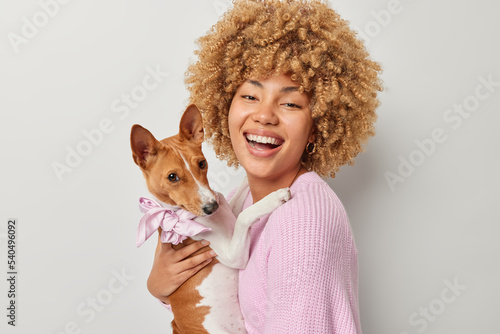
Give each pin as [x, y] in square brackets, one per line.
[283, 195]
[280, 196]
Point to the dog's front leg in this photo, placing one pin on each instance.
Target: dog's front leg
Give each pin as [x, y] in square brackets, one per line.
[237, 252]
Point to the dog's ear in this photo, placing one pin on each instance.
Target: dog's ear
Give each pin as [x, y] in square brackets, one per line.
[143, 144]
[191, 126]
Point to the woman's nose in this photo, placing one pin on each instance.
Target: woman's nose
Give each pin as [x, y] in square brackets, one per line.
[265, 114]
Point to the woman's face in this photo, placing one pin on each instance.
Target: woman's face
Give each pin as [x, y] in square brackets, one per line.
[270, 124]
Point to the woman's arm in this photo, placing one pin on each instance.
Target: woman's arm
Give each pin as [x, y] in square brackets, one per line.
[171, 268]
[312, 271]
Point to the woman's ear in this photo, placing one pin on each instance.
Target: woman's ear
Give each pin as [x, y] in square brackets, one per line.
[312, 134]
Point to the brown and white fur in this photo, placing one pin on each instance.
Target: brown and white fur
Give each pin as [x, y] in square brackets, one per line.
[175, 170]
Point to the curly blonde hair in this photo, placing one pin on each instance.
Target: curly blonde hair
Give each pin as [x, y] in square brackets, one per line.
[306, 40]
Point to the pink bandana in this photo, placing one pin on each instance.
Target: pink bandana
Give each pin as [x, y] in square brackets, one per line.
[176, 225]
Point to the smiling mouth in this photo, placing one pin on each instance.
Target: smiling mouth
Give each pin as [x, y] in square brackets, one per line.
[262, 143]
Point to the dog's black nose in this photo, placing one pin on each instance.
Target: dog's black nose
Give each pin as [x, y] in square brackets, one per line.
[211, 207]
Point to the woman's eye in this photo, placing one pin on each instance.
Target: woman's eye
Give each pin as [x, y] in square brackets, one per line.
[248, 97]
[292, 105]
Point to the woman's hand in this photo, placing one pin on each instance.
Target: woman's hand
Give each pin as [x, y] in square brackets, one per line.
[171, 268]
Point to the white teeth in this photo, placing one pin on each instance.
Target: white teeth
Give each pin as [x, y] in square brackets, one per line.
[263, 140]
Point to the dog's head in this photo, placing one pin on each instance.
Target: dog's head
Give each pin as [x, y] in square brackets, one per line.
[175, 168]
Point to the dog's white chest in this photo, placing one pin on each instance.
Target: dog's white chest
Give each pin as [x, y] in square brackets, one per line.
[219, 291]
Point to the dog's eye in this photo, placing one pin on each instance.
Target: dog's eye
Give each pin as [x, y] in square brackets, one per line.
[172, 177]
[202, 164]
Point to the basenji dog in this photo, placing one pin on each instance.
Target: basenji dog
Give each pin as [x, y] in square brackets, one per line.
[175, 170]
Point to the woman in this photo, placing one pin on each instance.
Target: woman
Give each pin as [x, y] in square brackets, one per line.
[288, 93]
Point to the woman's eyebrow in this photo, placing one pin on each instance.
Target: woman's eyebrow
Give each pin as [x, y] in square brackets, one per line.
[287, 89]
[256, 83]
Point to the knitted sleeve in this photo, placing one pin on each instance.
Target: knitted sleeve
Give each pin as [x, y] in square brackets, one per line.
[312, 266]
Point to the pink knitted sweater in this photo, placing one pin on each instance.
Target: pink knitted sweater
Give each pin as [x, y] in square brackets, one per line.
[302, 273]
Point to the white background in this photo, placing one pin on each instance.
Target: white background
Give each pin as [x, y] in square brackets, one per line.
[433, 226]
